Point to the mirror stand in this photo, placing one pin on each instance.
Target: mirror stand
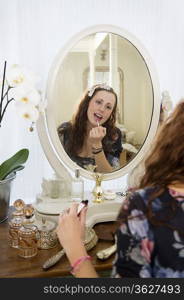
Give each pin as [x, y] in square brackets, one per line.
[52, 201]
[138, 111]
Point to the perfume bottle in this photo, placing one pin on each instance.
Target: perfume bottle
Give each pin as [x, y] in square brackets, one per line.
[28, 234]
[14, 226]
[16, 222]
[77, 187]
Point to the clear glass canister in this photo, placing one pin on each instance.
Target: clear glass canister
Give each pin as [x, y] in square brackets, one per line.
[27, 244]
[14, 226]
[47, 234]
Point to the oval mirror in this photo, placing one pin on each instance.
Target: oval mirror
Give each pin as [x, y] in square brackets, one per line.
[109, 55]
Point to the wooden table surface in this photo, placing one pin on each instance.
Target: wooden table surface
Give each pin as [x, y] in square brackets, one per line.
[13, 266]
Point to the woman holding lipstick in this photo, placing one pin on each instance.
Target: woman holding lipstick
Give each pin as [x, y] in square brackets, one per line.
[150, 234]
[91, 137]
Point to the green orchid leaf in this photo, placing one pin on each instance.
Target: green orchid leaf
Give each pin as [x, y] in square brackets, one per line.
[14, 163]
[18, 168]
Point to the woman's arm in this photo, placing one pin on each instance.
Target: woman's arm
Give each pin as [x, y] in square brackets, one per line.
[95, 137]
[103, 166]
[70, 231]
[106, 162]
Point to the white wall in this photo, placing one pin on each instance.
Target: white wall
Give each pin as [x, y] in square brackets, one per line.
[33, 31]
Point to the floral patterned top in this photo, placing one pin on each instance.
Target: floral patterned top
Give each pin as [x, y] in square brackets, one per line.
[114, 146]
[146, 250]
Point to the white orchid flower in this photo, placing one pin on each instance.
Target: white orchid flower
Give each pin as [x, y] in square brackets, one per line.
[16, 75]
[25, 94]
[27, 111]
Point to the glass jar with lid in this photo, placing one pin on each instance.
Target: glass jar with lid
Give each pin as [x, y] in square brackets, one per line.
[27, 241]
[47, 234]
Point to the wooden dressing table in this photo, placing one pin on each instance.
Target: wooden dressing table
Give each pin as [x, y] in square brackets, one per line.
[13, 266]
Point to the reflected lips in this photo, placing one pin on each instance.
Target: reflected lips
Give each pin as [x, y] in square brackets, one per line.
[98, 118]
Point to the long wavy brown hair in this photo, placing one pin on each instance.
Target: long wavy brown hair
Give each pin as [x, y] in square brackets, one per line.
[165, 163]
[79, 120]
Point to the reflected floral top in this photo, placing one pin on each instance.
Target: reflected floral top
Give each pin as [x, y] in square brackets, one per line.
[146, 250]
[112, 156]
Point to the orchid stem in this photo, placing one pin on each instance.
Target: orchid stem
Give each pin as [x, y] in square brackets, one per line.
[3, 112]
[2, 95]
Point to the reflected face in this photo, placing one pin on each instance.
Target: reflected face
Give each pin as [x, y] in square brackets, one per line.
[100, 108]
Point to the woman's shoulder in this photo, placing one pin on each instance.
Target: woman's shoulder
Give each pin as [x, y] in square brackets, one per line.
[117, 133]
[64, 127]
[139, 197]
[116, 136]
[144, 193]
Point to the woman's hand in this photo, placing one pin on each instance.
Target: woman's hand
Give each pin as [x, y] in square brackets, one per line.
[96, 135]
[71, 231]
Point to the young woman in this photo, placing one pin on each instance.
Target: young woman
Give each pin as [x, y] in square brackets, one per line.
[91, 138]
[150, 238]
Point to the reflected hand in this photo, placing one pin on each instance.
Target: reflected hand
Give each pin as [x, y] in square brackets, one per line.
[96, 135]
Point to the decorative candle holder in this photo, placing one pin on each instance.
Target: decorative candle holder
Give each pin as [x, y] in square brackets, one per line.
[27, 241]
[47, 235]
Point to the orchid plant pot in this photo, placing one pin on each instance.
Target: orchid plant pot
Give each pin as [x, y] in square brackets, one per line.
[5, 191]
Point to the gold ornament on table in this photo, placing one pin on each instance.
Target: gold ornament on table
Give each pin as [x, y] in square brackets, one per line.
[98, 191]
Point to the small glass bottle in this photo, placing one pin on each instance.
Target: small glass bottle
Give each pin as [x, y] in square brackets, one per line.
[28, 234]
[14, 226]
[77, 187]
[16, 222]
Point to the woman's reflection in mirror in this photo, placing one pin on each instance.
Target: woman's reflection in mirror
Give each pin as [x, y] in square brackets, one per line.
[91, 137]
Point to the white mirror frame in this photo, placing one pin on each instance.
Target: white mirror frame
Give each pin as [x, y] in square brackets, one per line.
[48, 135]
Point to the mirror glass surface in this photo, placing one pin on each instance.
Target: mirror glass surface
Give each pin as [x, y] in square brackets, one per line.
[103, 57]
